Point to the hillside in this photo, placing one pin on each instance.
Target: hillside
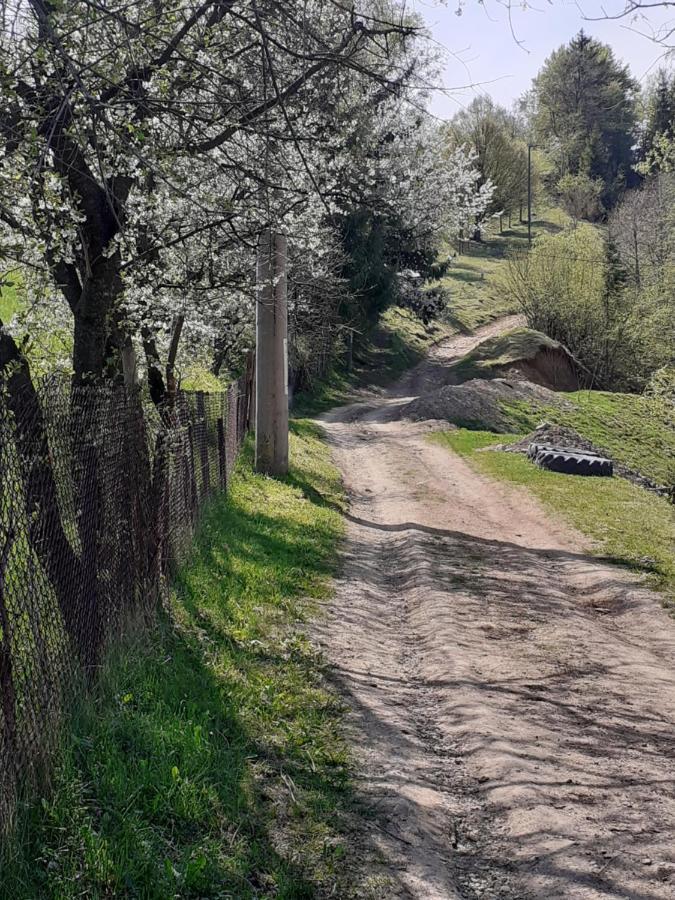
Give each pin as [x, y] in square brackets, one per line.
[474, 295]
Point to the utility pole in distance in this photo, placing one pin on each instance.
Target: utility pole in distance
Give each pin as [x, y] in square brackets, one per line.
[529, 193]
[271, 356]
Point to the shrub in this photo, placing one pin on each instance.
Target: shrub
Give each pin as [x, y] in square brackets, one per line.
[571, 286]
[581, 196]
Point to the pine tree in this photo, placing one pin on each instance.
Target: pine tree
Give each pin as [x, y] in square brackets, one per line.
[585, 113]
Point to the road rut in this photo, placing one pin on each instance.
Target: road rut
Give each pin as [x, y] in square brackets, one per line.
[512, 699]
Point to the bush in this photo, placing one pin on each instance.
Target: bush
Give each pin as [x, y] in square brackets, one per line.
[571, 287]
[581, 196]
[427, 305]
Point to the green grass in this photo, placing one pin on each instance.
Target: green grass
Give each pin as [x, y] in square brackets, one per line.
[334, 389]
[10, 298]
[626, 523]
[399, 341]
[402, 340]
[502, 350]
[474, 300]
[632, 429]
[210, 763]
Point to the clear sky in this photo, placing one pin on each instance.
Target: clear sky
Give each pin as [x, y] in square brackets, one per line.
[479, 49]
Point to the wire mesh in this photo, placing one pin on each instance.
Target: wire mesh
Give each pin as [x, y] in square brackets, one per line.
[100, 493]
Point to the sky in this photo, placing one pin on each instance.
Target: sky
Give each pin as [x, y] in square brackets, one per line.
[479, 49]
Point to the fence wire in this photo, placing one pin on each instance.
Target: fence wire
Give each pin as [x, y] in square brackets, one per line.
[100, 493]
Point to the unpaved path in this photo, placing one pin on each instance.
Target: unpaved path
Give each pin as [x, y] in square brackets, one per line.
[512, 699]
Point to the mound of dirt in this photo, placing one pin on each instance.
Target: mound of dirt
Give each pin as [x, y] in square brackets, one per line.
[478, 402]
[556, 436]
[522, 353]
[562, 436]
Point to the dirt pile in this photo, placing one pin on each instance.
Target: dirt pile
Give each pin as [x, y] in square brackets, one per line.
[556, 436]
[478, 402]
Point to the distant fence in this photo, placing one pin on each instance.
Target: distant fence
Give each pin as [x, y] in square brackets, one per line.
[99, 495]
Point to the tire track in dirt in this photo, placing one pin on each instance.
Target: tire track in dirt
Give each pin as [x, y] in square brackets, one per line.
[512, 700]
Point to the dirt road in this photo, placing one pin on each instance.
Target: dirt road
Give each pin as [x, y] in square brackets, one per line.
[512, 699]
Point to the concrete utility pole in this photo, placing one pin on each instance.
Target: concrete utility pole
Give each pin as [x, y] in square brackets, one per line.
[529, 193]
[271, 357]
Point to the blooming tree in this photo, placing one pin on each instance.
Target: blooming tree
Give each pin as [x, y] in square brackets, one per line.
[144, 146]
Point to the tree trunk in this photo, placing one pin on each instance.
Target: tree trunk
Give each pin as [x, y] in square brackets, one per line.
[45, 528]
[93, 332]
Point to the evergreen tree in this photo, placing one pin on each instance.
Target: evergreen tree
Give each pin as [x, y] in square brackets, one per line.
[658, 127]
[585, 114]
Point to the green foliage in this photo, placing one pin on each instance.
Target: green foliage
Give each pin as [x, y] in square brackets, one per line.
[626, 523]
[656, 139]
[209, 762]
[585, 113]
[198, 378]
[642, 231]
[580, 196]
[660, 157]
[570, 286]
[501, 154]
[368, 268]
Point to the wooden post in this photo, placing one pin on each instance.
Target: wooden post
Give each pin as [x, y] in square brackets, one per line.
[271, 387]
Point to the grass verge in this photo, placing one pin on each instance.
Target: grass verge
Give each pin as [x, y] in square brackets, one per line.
[631, 428]
[626, 523]
[209, 763]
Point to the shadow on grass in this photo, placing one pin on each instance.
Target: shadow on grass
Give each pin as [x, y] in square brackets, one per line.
[209, 763]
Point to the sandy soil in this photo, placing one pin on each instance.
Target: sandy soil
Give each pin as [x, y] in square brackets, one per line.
[512, 699]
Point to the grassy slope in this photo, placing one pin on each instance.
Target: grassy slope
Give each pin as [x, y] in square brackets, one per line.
[631, 428]
[626, 523]
[473, 299]
[511, 346]
[402, 341]
[210, 763]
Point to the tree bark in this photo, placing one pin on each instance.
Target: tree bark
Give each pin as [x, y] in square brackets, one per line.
[45, 528]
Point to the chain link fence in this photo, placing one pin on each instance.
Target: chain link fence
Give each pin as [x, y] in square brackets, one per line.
[100, 493]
